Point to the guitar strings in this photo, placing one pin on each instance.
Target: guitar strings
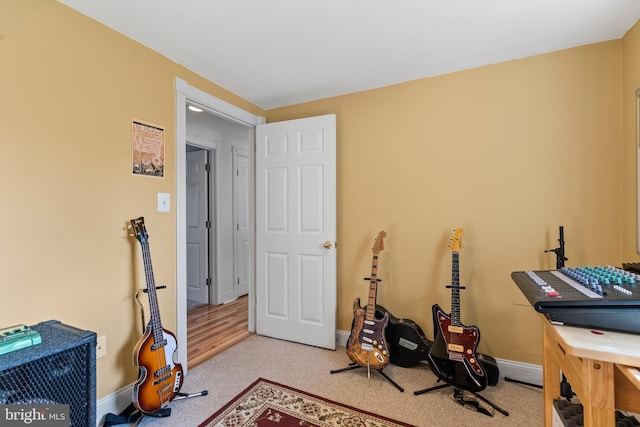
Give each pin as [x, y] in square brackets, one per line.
[163, 392]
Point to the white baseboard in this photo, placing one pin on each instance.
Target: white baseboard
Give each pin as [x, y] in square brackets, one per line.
[520, 371]
[113, 403]
[342, 337]
[514, 370]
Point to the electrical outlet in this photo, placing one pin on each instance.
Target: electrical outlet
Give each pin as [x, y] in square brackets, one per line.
[101, 347]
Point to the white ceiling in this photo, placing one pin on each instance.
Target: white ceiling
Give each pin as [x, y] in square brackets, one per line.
[281, 52]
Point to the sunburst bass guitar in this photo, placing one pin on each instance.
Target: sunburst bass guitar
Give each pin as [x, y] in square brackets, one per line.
[367, 345]
[160, 377]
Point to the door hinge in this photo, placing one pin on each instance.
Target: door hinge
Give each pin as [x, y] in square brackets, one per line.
[207, 224]
[208, 281]
[207, 167]
[238, 280]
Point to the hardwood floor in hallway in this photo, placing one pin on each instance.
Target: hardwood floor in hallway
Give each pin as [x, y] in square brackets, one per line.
[212, 329]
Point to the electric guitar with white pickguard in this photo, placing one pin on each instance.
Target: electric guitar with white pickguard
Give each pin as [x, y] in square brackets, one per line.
[367, 344]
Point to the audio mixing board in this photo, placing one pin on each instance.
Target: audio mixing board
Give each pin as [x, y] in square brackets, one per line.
[595, 297]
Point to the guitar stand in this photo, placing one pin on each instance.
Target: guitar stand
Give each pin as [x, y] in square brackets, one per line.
[511, 380]
[353, 365]
[458, 396]
[131, 415]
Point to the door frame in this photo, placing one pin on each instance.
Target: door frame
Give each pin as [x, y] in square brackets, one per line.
[186, 93]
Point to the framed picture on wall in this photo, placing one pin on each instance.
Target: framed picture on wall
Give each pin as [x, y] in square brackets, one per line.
[147, 147]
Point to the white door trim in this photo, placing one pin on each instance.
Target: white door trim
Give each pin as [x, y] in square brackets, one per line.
[184, 93]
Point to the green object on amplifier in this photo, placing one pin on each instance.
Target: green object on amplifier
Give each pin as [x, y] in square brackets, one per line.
[17, 337]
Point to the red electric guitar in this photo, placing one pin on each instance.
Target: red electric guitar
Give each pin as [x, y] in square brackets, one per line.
[367, 345]
[160, 378]
[452, 355]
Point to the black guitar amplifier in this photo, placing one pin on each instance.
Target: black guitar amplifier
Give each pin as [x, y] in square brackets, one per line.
[61, 370]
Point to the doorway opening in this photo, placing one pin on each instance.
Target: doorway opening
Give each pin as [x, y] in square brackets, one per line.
[227, 133]
[217, 223]
[214, 328]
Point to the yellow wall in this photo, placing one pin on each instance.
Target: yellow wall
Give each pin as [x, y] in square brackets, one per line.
[630, 83]
[508, 152]
[69, 89]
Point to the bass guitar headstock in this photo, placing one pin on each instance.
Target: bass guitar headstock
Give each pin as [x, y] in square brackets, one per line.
[378, 244]
[139, 230]
[455, 243]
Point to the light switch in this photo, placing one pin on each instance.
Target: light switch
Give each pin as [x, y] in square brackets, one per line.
[164, 202]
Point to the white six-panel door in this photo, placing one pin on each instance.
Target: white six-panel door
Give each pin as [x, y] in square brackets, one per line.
[197, 247]
[296, 230]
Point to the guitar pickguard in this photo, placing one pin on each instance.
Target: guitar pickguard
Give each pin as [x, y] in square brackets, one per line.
[461, 342]
[455, 346]
[367, 345]
[170, 349]
[160, 377]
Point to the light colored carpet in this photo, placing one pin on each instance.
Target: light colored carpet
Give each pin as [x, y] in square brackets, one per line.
[308, 368]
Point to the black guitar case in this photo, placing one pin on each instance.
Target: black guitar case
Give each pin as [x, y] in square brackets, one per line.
[490, 367]
[408, 345]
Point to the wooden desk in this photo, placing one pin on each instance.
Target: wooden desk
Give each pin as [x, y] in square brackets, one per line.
[601, 367]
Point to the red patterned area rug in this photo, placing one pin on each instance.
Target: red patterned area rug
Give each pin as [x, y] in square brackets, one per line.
[268, 404]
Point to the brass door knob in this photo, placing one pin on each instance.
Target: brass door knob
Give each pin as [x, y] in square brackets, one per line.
[327, 245]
